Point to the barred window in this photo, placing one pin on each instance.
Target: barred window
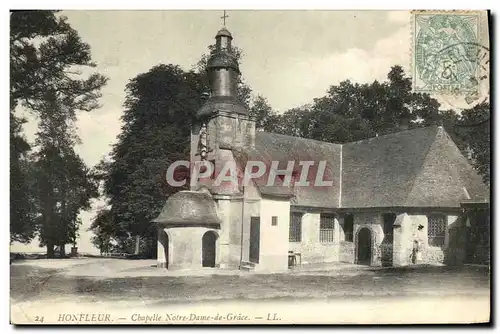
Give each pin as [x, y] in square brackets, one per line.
[436, 230]
[348, 226]
[274, 220]
[326, 227]
[295, 234]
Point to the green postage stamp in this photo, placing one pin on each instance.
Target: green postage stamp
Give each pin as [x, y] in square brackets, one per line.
[447, 53]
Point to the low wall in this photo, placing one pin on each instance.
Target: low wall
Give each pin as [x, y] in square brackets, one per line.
[310, 247]
[386, 254]
[433, 255]
[346, 252]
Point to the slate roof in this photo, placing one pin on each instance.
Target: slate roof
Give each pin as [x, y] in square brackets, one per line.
[274, 147]
[189, 208]
[416, 168]
[224, 32]
[221, 103]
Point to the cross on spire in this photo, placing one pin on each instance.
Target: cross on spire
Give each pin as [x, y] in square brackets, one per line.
[224, 18]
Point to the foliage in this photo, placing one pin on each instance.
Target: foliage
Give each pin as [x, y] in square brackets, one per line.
[352, 111]
[156, 132]
[48, 61]
[63, 184]
[474, 126]
[156, 129]
[265, 116]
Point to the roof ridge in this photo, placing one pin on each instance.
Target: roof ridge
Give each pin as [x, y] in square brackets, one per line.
[394, 134]
[463, 160]
[302, 138]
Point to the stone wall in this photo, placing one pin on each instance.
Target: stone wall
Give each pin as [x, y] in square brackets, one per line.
[310, 247]
[346, 248]
[407, 232]
[384, 251]
[372, 221]
[346, 251]
[386, 254]
[433, 255]
[235, 131]
[185, 247]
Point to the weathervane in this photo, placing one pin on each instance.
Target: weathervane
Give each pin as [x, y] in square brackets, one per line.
[224, 18]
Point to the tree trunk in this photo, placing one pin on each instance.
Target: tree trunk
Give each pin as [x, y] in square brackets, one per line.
[137, 242]
[50, 249]
[62, 250]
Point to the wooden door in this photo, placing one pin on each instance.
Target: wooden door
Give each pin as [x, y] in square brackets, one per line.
[254, 239]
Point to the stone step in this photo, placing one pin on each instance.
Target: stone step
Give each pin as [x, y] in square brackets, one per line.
[246, 263]
[247, 266]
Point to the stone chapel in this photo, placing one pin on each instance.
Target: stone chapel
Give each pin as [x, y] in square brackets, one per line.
[395, 200]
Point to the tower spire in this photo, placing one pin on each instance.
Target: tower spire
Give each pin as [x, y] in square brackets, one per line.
[224, 17]
[223, 72]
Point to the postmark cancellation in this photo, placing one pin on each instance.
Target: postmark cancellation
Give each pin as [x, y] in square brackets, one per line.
[448, 56]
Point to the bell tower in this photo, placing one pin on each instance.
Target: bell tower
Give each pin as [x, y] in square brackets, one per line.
[222, 124]
[222, 127]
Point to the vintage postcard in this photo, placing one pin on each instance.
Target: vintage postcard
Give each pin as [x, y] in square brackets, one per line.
[249, 167]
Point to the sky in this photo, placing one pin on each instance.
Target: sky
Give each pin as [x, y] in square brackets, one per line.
[290, 57]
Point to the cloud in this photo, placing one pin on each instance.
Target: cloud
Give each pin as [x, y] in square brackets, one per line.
[300, 80]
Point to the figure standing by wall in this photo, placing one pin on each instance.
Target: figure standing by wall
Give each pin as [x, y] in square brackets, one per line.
[415, 253]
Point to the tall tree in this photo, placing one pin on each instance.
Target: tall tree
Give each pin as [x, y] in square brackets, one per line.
[265, 116]
[159, 107]
[63, 185]
[352, 111]
[474, 127]
[22, 213]
[47, 58]
[156, 132]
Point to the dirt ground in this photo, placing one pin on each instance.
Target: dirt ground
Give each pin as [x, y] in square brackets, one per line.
[134, 291]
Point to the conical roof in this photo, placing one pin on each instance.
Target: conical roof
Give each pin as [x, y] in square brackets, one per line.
[189, 208]
[223, 32]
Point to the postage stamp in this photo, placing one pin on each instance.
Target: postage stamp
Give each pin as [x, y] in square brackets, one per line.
[446, 52]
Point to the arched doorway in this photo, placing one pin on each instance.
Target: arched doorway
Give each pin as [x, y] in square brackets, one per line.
[364, 246]
[165, 247]
[164, 240]
[208, 249]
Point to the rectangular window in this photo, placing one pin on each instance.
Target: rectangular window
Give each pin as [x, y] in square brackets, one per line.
[326, 227]
[274, 221]
[348, 227]
[436, 229]
[295, 234]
